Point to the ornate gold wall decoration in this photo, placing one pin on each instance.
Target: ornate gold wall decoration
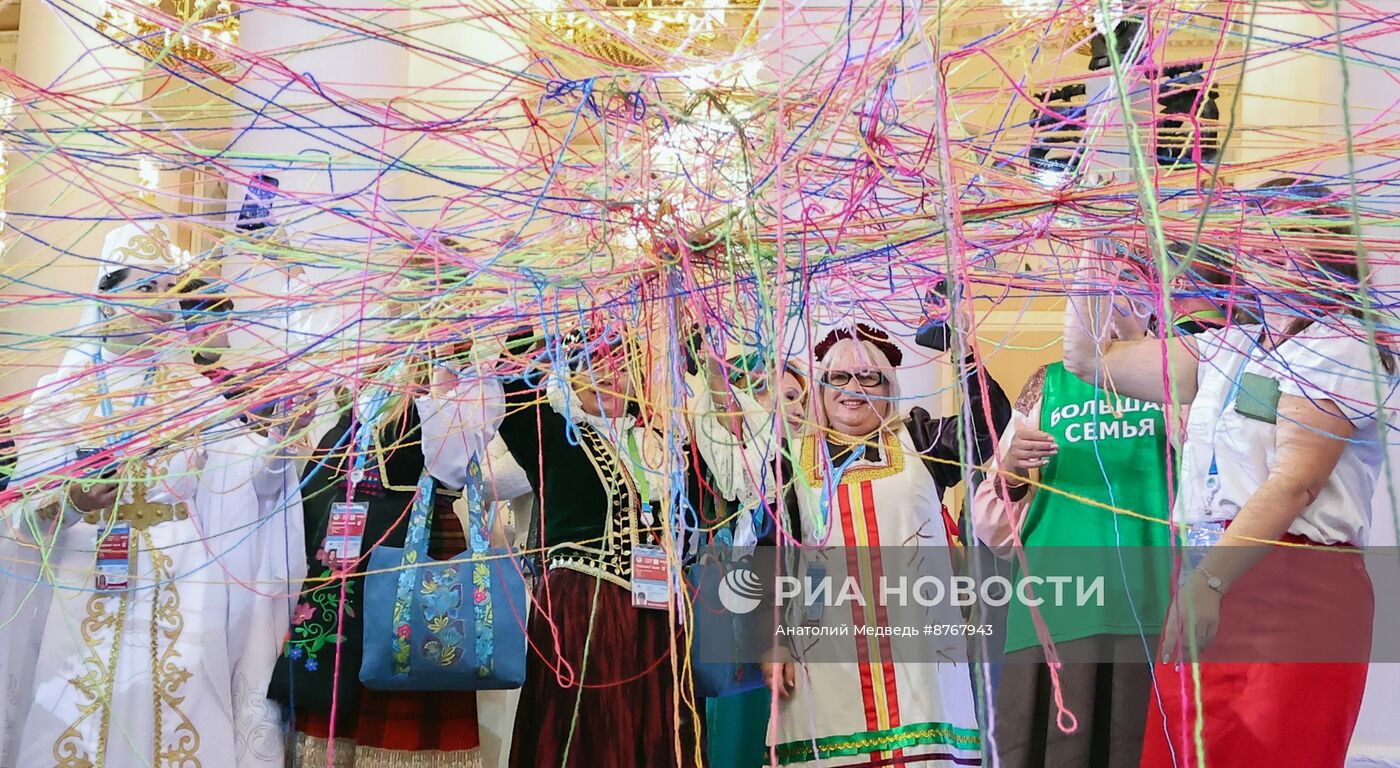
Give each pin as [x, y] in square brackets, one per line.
[647, 33]
[190, 30]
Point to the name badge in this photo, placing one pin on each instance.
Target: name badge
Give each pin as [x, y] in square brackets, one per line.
[113, 556]
[1205, 534]
[651, 578]
[346, 532]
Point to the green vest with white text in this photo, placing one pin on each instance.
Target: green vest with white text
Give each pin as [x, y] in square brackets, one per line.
[1112, 455]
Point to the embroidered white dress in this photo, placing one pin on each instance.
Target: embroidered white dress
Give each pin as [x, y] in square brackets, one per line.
[863, 697]
[892, 705]
[262, 561]
[143, 678]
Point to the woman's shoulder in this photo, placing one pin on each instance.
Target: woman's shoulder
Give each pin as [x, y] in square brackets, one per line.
[1335, 360]
[1236, 337]
[1034, 388]
[1341, 342]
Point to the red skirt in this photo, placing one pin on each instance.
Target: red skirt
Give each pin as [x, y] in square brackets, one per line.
[395, 729]
[1296, 605]
[624, 715]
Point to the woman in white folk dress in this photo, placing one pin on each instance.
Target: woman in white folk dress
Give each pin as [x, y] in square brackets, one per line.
[854, 705]
[125, 616]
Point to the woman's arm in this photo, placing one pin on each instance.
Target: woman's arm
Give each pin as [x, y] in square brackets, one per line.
[53, 481]
[458, 419]
[741, 464]
[1307, 445]
[997, 515]
[1000, 502]
[1133, 368]
[941, 439]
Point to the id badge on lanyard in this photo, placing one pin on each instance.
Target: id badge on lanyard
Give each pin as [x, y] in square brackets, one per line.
[113, 544]
[652, 585]
[113, 556]
[651, 578]
[345, 533]
[1213, 507]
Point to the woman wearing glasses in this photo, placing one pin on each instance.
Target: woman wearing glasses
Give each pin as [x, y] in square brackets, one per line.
[863, 478]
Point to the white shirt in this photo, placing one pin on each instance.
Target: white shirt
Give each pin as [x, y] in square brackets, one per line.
[1320, 363]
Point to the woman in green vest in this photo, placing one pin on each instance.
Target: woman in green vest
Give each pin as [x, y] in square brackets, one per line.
[1098, 508]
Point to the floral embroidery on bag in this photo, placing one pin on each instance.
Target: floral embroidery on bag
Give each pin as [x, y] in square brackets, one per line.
[441, 599]
[481, 599]
[415, 544]
[481, 574]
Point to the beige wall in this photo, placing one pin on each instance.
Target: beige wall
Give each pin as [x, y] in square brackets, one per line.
[57, 54]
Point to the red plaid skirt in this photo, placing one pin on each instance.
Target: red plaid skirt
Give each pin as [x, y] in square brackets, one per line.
[396, 730]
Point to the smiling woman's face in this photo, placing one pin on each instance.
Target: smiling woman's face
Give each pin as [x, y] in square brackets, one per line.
[791, 397]
[853, 408]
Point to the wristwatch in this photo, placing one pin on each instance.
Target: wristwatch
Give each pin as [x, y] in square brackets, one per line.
[1212, 580]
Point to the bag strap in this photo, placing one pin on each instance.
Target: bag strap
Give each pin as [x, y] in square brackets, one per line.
[478, 520]
[415, 550]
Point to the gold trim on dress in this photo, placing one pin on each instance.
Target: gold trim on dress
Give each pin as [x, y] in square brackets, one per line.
[892, 462]
[167, 676]
[612, 560]
[140, 512]
[311, 750]
[70, 750]
[103, 627]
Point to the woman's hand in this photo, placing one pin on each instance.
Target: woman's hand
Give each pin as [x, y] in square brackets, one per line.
[1030, 449]
[1198, 605]
[780, 672]
[93, 496]
[303, 413]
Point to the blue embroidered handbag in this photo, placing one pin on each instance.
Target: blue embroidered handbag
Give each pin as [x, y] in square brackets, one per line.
[444, 625]
[716, 634]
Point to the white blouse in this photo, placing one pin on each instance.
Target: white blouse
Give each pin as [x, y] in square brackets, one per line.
[1320, 363]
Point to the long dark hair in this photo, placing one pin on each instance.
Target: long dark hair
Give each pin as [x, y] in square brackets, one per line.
[1336, 259]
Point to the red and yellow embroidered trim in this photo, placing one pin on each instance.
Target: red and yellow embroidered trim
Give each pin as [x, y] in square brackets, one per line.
[891, 464]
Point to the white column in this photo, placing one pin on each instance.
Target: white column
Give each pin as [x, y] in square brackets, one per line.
[1281, 90]
[314, 115]
[59, 203]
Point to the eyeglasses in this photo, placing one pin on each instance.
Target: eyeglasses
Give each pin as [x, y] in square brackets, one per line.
[863, 378]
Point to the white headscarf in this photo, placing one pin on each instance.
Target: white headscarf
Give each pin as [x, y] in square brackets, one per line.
[146, 246]
[55, 418]
[129, 245]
